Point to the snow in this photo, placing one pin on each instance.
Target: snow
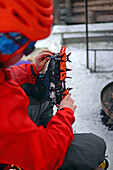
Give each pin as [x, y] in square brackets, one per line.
[87, 86]
[81, 28]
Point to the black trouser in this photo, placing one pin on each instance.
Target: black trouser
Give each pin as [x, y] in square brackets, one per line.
[86, 151]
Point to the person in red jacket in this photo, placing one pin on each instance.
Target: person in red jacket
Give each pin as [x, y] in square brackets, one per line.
[22, 142]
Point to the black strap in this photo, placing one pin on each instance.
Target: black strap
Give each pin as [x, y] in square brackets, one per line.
[32, 70]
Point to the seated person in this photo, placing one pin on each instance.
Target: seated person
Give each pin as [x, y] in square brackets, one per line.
[22, 143]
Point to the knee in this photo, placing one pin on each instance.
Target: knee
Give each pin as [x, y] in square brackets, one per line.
[99, 141]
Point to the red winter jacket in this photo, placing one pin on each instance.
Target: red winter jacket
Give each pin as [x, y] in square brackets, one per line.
[22, 143]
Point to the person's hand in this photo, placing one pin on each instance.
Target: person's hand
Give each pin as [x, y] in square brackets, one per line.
[67, 102]
[41, 59]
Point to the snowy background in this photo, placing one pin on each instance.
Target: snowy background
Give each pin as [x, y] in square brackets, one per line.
[87, 86]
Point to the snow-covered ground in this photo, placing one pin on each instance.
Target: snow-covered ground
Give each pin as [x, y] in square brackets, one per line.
[87, 87]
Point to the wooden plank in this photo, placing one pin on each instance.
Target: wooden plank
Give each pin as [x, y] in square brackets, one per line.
[68, 6]
[63, 12]
[104, 18]
[94, 8]
[80, 18]
[77, 19]
[61, 1]
[93, 3]
[98, 11]
[56, 12]
[73, 1]
[62, 5]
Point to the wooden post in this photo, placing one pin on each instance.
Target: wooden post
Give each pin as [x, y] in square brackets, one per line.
[56, 12]
[87, 39]
[68, 5]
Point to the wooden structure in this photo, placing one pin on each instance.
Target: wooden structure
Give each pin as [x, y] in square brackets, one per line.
[73, 11]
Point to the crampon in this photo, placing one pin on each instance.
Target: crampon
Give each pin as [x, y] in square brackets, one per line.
[54, 80]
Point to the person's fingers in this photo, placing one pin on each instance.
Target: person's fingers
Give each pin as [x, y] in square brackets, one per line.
[45, 60]
[72, 101]
[74, 107]
[67, 96]
[43, 55]
[47, 50]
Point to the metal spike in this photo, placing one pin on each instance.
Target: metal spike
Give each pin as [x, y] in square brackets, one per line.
[69, 60]
[68, 54]
[67, 69]
[69, 88]
[61, 49]
[68, 57]
[68, 77]
[64, 48]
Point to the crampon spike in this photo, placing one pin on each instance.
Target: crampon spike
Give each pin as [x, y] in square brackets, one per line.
[69, 61]
[68, 77]
[64, 50]
[68, 54]
[67, 57]
[69, 88]
[67, 69]
[61, 50]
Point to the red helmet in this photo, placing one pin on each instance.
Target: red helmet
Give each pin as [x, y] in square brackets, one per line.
[31, 18]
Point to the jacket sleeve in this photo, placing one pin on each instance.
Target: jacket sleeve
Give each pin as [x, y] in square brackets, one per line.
[37, 148]
[60, 133]
[24, 73]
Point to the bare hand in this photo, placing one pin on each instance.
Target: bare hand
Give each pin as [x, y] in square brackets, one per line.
[67, 102]
[41, 59]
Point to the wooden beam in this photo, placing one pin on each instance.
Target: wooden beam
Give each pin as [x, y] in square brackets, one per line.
[76, 19]
[56, 12]
[68, 6]
[103, 8]
[93, 3]
[104, 18]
